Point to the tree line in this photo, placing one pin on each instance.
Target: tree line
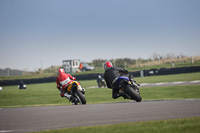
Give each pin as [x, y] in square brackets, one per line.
[155, 59]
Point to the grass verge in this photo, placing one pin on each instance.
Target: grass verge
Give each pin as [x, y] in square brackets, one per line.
[184, 125]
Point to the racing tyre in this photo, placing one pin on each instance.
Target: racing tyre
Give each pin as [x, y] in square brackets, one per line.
[132, 93]
[80, 97]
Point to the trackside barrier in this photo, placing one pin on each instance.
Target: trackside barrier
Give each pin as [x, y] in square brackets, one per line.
[151, 72]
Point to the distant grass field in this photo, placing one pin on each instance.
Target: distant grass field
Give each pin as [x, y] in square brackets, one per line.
[184, 125]
[46, 94]
[169, 78]
[166, 65]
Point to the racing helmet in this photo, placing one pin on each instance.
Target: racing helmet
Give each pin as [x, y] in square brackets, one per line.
[107, 65]
[61, 70]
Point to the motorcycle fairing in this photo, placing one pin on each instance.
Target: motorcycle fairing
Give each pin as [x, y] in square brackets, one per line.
[120, 79]
[69, 88]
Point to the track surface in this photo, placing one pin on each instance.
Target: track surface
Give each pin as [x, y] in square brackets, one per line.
[31, 119]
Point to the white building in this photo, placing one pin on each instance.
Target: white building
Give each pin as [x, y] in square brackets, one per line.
[71, 66]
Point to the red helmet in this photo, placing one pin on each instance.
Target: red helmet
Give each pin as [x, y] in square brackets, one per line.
[107, 64]
[61, 70]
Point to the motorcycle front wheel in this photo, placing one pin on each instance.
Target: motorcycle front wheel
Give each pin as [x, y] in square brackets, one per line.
[80, 97]
[132, 93]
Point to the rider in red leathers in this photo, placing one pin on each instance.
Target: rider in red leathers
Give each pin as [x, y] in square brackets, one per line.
[63, 81]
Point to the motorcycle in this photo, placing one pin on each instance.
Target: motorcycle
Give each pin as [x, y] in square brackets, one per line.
[129, 87]
[101, 82]
[77, 93]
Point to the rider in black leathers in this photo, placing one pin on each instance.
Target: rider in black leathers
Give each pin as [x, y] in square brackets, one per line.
[110, 75]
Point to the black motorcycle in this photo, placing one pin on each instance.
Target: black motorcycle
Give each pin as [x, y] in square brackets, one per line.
[101, 82]
[129, 87]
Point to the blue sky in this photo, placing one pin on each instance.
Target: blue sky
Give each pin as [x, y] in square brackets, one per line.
[41, 33]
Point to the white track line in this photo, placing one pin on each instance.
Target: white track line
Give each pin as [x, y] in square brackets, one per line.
[6, 131]
[157, 84]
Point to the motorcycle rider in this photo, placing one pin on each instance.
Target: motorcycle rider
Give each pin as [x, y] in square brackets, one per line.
[63, 81]
[100, 81]
[111, 75]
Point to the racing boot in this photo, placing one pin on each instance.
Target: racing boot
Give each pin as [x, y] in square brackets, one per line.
[68, 96]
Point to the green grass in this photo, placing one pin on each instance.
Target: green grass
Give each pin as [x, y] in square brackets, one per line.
[184, 125]
[155, 79]
[169, 78]
[47, 94]
[171, 92]
[166, 65]
[34, 95]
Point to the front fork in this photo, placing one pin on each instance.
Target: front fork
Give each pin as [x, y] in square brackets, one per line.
[75, 88]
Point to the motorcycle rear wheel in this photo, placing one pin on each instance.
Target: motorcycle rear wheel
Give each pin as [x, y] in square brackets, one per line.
[80, 97]
[132, 93]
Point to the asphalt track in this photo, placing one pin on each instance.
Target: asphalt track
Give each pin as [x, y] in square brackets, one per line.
[30, 119]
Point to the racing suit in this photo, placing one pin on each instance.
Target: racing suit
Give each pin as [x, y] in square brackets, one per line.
[110, 75]
[63, 81]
